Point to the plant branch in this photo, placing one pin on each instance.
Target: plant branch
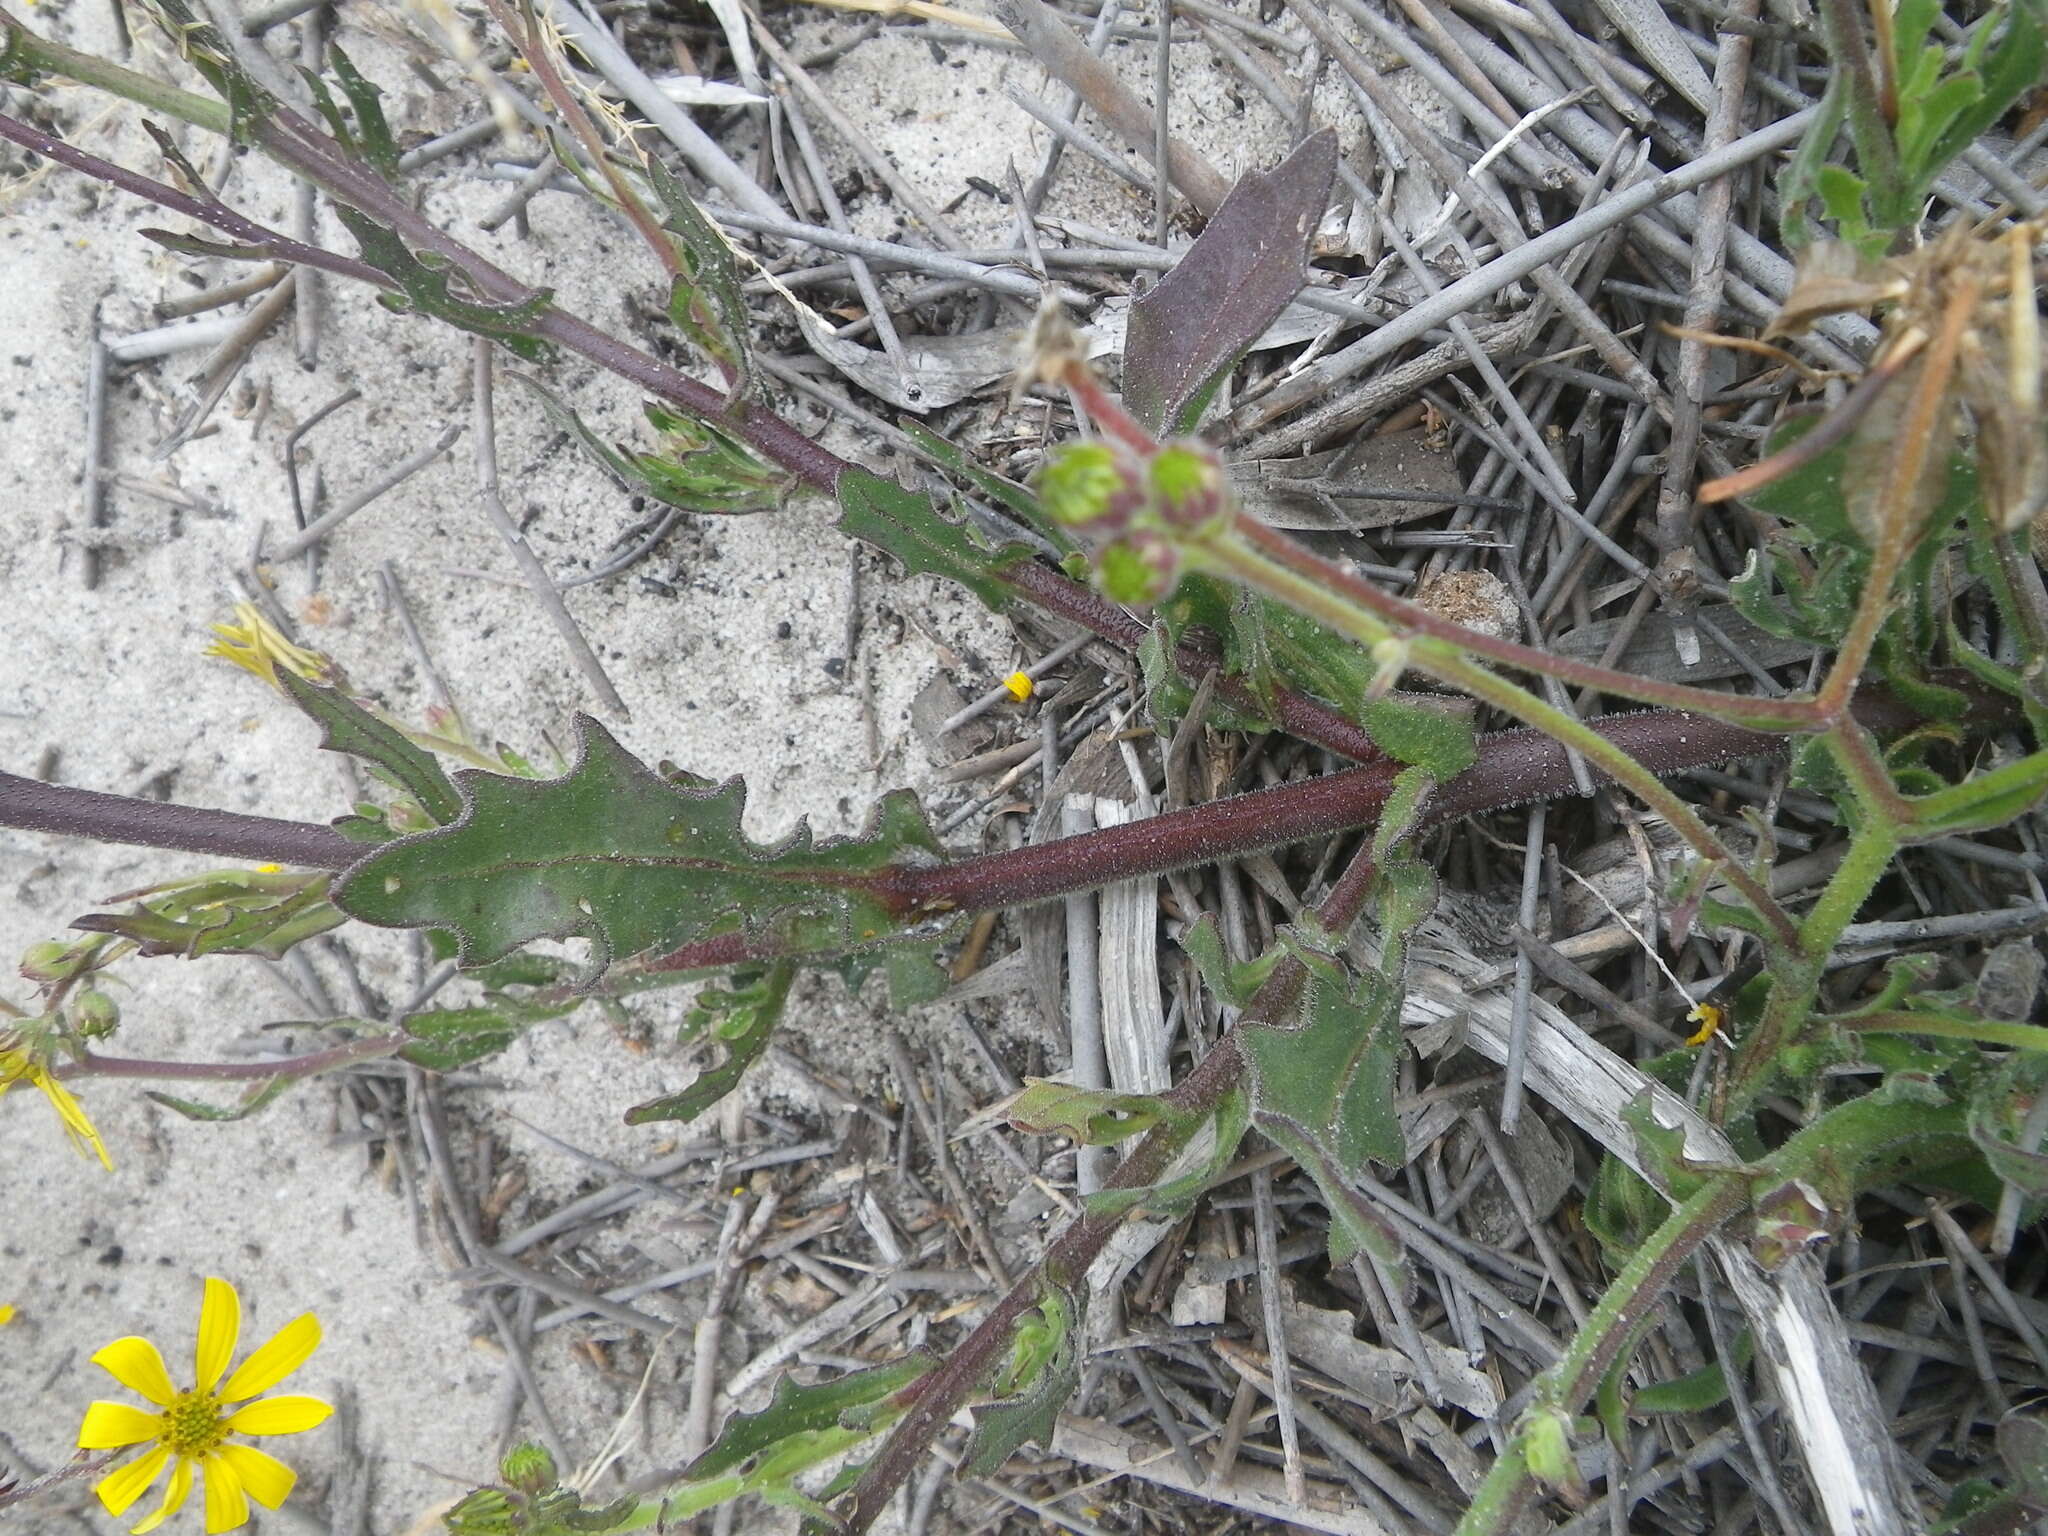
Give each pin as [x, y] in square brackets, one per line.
[1219, 1073]
[1899, 517]
[1326, 583]
[69, 812]
[24, 50]
[1257, 560]
[1497, 1507]
[371, 1048]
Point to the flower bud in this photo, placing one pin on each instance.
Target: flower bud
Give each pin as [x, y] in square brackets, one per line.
[1087, 485]
[1139, 568]
[1548, 1450]
[528, 1468]
[1188, 485]
[94, 1014]
[50, 961]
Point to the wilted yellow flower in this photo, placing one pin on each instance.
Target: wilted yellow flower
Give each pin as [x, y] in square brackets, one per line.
[256, 645]
[192, 1428]
[18, 1065]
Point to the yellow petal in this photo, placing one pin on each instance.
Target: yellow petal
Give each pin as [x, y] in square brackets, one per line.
[266, 1479]
[220, 1325]
[285, 1353]
[6, 1313]
[124, 1485]
[227, 1506]
[175, 1493]
[278, 1416]
[109, 1425]
[77, 1124]
[135, 1364]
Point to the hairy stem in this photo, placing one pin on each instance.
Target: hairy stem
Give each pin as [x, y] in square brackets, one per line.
[1337, 592]
[371, 1048]
[1289, 582]
[1565, 1386]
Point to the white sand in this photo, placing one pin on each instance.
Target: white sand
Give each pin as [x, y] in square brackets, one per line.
[286, 1205]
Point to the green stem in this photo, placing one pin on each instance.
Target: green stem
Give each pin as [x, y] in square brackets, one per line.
[1868, 857]
[24, 51]
[1334, 590]
[1566, 1386]
[1332, 605]
[1796, 974]
[1868, 1140]
[1876, 154]
[1950, 1026]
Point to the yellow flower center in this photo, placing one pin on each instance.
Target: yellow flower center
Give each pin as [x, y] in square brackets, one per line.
[192, 1425]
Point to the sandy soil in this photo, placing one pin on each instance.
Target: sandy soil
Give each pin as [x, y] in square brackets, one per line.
[732, 661]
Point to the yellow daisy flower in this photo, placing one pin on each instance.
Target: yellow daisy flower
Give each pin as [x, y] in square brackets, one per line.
[20, 1066]
[193, 1427]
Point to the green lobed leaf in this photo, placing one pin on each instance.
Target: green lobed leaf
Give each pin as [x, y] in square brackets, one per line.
[259, 1097]
[1414, 733]
[1810, 495]
[1041, 1373]
[1233, 982]
[1330, 1078]
[1322, 1088]
[443, 1039]
[1096, 1117]
[703, 467]
[1797, 182]
[370, 134]
[229, 912]
[613, 853]
[705, 301]
[425, 288]
[1660, 1151]
[193, 245]
[856, 1401]
[1173, 1198]
[909, 527]
[743, 1019]
[2018, 66]
[345, 726]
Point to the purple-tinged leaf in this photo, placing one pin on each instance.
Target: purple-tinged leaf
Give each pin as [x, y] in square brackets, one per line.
[1235, 280]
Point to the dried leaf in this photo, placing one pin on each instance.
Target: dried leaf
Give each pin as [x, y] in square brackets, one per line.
[1234, 282]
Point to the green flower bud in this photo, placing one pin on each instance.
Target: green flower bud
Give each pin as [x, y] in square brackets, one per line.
[50, 961]
[1188, 485]
[1085, 484]
[1548, 1450]
[94, 1014]
[1140, 569]
[529, 1468]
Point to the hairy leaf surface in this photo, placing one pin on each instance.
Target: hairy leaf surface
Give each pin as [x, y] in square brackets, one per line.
[908, 526]
[613, 853]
